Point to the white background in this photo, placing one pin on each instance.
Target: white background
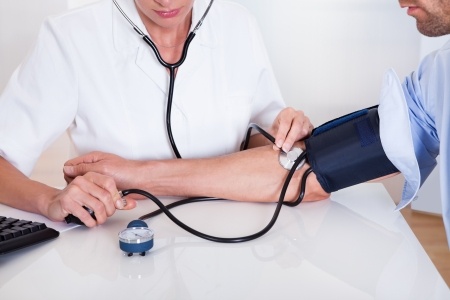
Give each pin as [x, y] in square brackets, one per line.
[329, 56]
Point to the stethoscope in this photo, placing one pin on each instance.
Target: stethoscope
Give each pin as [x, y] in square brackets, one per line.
[294, 164]
[171, 67]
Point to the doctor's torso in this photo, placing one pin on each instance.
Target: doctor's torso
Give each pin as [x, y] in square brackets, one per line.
[98, 78]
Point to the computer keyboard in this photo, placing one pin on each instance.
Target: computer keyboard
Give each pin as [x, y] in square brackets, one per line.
[16, 234]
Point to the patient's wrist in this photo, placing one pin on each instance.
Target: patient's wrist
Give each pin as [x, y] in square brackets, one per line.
[313, 191]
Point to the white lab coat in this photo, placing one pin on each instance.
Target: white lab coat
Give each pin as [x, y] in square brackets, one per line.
[92, 74]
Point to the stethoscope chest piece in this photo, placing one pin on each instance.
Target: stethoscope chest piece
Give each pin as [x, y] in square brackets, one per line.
[287, 160]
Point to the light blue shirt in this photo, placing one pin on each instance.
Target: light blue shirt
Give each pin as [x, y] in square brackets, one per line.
[415, 125]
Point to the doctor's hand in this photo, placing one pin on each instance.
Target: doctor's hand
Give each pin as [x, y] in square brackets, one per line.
[289, 127]
[95, 191]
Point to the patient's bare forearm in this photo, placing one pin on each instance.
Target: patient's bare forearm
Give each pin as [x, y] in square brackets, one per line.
[251, 175]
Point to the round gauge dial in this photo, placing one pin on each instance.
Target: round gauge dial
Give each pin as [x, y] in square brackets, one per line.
[136, 235]
[136, 238]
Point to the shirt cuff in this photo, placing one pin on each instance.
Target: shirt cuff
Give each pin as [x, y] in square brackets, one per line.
[396, 137]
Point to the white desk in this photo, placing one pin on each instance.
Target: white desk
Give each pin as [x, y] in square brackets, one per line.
[353, 246]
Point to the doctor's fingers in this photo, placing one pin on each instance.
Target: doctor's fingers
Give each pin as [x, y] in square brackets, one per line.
[123, 203]
[292, 126]
[95, 191]
[108, 184]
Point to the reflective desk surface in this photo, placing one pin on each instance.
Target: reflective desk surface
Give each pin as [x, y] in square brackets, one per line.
[353, 246]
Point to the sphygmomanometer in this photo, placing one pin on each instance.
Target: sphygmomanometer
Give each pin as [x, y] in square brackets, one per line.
[342, 152]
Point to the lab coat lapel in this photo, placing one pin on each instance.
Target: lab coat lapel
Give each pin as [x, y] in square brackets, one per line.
[148, 63]
[196, 57]
[201, 45]
[128, 42]
[203, 42]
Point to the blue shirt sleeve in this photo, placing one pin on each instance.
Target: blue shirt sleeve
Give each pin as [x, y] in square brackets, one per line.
[423, 129]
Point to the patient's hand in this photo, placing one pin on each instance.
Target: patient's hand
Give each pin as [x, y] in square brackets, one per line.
[122, 170]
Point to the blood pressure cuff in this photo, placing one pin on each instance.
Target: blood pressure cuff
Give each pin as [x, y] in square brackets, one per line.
[347, 151]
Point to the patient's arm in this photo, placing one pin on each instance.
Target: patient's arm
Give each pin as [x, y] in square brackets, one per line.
[343, 152]
[250, 175]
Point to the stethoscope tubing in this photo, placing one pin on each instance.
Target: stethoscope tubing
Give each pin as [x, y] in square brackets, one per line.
[165, 209]
[216, 239]
[171, 66]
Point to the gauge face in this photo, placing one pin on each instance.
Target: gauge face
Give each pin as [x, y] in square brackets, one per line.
[136, 235]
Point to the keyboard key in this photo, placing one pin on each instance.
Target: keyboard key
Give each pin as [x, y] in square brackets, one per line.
[21, 222]
[33, 228]
[5, 236]
[9, 220]
[22, 230]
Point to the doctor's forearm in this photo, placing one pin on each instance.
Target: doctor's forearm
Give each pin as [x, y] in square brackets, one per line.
[20, 192]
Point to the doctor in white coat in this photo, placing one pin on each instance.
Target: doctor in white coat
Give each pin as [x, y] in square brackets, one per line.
[92, 75]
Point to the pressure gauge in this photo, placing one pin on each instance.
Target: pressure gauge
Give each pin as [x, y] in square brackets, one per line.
[287, 160]
[136, 238]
